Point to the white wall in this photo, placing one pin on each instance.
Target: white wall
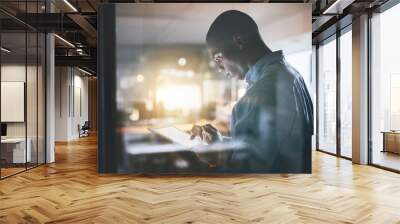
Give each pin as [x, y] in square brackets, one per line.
[12, 73]
[80, 104]
[16, 73]
[33, 126]
[62, 81]
[71, 102]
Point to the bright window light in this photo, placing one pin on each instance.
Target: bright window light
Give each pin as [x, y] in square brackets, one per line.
[182, 97]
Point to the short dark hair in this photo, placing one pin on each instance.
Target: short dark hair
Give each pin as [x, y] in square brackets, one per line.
[230, 23]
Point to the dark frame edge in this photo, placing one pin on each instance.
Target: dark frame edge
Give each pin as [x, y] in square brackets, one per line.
[106, 65]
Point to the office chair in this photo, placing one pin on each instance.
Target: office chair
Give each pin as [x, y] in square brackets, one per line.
[84, 130]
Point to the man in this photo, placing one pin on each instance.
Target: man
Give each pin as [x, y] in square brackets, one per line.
[274, 119]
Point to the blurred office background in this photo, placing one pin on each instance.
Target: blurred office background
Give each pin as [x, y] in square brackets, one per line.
[165, 70]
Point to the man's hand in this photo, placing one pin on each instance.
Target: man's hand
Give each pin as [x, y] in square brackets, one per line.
[206, 132]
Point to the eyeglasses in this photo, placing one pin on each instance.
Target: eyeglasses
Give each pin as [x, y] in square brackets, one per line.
[218, 58]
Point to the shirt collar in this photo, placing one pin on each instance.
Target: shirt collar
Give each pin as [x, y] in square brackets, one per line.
[257, 71]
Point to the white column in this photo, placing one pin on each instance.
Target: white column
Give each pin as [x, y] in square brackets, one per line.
[50, 110]
[50, 93]
[360, 90]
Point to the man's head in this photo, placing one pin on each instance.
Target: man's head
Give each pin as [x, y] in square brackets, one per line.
[231, 39]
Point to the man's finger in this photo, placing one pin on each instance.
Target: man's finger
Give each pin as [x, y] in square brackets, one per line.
[207, 137]
[196, 131]
[211, 127]
[210, 130]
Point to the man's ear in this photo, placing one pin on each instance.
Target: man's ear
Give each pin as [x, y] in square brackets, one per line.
[238, 40]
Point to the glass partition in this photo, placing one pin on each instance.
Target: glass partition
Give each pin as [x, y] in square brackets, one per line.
[167, 96]
[346, 94]
[385, 89]
[22, 92]
[327, 97]
[14, 153]
[31, 99]
[41, 96]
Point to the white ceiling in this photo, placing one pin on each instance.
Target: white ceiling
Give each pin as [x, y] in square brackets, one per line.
[283, 26]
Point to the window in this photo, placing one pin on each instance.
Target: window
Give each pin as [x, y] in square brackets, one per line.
[327, 97]
[385, 89]
[301, 61]
[346, 94]
[22, 88]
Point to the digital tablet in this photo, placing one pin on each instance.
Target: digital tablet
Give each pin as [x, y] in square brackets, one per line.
[178, 136]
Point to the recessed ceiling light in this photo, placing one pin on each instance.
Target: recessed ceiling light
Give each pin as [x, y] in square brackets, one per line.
[84, 71]
[64, 40]
[337, 7]
[70, 5]
[5, 50]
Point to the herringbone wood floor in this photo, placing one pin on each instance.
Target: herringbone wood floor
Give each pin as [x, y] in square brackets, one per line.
[70, 191]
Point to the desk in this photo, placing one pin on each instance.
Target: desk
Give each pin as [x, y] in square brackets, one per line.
[144, 152]
[391, 141]
[148, 154]
[13, 150]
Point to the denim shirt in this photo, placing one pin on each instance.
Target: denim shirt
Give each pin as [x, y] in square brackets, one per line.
[274, 119]
[260, 68]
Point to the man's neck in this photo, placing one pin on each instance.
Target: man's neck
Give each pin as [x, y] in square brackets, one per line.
[256, 53]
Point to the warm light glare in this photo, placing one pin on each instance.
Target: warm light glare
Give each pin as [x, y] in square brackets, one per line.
[140, 78]
[177, 73]
[135, 116]
[149, 105]
[241, 92]
[182, 61]
[184, 97]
